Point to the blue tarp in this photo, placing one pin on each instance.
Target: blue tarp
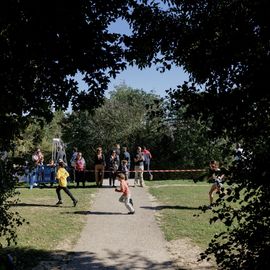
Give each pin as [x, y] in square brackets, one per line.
[41, 174]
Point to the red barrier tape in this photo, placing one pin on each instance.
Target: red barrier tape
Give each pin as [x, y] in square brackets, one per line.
[198, 170]
[195, 170]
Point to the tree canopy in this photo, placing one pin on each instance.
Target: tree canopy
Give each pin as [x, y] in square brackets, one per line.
[43, 45]
[121, 119]
[223, 45]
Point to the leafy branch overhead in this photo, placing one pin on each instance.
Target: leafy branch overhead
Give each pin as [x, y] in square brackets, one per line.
[44, 45]
[224, 47]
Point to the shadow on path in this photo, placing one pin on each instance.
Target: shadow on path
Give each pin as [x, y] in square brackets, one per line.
[36, 205]
[26, 259]
[97, 213]
[179, 207]
[119, 260]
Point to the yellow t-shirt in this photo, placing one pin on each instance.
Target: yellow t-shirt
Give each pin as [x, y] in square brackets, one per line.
[62, 175]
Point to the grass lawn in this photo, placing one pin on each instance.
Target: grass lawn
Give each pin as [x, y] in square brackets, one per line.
[179, 210]
[49, 227]
[52, 229]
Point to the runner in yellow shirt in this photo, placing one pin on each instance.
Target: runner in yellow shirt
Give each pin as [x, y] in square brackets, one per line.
[62, 175]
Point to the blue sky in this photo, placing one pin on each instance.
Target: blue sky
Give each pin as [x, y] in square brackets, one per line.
[148, 79]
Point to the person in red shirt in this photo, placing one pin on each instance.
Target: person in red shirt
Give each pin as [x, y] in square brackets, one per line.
[79, 169]
[147, 158]
[126, 196]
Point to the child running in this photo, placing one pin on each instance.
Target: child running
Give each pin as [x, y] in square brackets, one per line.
[61, 176]
[126, 196]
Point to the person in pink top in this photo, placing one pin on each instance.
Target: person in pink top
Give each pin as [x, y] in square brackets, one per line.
[126, 196]
[146, 162]
[79, 169]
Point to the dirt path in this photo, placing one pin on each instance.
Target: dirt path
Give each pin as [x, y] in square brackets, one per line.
[111, 239]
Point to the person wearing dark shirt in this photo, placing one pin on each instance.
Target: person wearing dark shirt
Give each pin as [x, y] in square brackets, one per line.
[123, 168]
[125, 155]
[113, 165]
[61, 155]
[99, 162]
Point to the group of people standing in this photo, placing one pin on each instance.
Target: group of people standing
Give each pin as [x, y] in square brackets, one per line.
[117, 160]
[120, 162]
[117, 164]
[77, 166]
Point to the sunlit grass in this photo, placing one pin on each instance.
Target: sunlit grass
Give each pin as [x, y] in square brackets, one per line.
[180, 215]
[49, 227]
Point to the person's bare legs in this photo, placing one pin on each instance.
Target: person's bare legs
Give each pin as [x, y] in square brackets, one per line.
[211, 193]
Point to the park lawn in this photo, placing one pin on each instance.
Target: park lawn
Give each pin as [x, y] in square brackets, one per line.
[180, 216]
[53, 229]
[48, 227]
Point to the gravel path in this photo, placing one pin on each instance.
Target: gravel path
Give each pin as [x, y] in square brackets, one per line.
[112, 239]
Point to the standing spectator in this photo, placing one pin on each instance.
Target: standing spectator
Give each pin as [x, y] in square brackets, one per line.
[117, 150]
[113, 165]
[147, 158]
[124, 169]
[62, 176]
[38, 159]
[125, 155]
[138, 162]
[73, 163]
[52, 168]
[61, 155]
[126, 196]
[74, 156]
[80, 169]
[99, 162]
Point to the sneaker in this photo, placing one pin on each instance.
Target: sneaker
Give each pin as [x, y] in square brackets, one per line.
[131, 213]
[131, 201]
[75, 203]
[59, 202]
